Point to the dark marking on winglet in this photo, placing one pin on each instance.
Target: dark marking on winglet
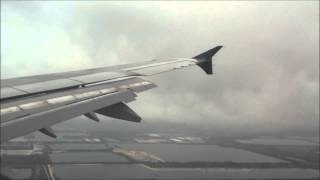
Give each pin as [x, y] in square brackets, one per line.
[205, 59]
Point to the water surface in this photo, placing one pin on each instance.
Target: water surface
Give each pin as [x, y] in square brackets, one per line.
[279, 141]
[189, 153]
[120, 171]
[86, 157]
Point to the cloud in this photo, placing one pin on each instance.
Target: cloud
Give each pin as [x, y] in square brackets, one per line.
[267, 76]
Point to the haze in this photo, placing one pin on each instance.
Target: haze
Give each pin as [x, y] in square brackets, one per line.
[267, 76]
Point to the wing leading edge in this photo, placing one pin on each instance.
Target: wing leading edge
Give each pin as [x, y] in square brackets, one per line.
[37, 102]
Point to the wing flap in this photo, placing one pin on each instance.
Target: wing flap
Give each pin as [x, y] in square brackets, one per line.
[28, 124]
[120, 111]
[46, 102]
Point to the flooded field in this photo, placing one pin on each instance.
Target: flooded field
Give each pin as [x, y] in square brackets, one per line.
[86, 157]
[217, 173]
[80, 172]
[281, 141]
[179, 157]
[78, 147]
[85, 172]
[190, 153]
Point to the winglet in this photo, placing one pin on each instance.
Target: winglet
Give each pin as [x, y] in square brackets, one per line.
[205, 59]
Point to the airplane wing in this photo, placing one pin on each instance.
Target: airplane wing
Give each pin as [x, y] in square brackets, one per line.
[35, 103]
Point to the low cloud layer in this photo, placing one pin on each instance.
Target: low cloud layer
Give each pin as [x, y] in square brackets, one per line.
[267, 75]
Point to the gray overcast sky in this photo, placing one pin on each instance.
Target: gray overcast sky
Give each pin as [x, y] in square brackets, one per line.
[267, 74]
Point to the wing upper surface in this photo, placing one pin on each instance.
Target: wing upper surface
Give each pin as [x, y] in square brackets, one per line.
[38, 102]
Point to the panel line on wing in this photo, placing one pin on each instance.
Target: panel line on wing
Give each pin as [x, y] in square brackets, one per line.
[158, 64]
